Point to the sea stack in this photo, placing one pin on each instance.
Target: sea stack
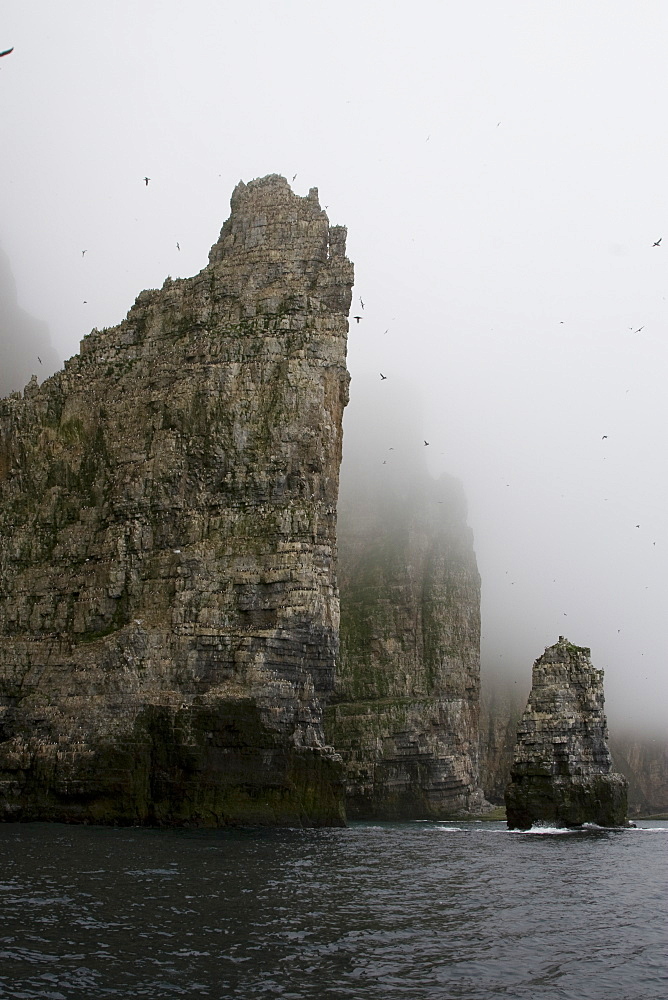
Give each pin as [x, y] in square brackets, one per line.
[169, 611]
[562, 771]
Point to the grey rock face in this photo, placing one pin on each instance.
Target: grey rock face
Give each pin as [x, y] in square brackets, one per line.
[643, 760]
[562, 771]
[406, 708]
[169, 613]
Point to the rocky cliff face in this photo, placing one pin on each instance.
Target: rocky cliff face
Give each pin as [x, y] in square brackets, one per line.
[643, 760]
[561, 771]
[406, 708]
[169, 613]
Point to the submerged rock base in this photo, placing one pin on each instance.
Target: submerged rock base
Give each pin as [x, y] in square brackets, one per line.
[562, 771]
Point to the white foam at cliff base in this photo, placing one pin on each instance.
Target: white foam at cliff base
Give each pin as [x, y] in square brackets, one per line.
[549, 830]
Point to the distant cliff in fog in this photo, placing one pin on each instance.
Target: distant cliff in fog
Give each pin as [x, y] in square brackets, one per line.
[25, 345]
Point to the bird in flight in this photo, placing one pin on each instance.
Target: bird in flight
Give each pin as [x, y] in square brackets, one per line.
[361, 302]
[6, 52]
[83, 253]
[358, 318]
[39, 359]
[293, 177]
[177, 246]
[383, 377]
[425, 443]
[146, 180]
[604, 437]
[657, 242]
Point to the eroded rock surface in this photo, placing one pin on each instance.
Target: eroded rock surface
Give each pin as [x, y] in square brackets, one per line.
[169, 612]
[562, 770]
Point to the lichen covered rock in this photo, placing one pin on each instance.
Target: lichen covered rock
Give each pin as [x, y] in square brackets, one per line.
[169, 613]
[562, 770]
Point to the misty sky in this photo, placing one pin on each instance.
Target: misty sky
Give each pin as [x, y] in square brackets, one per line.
[502, 170]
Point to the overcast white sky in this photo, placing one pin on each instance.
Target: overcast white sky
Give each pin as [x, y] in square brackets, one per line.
[502, 169]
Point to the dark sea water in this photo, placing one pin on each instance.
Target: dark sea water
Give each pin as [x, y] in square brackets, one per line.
[412, 910]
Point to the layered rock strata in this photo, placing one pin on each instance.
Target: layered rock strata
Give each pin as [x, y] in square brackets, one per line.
[406, 708]
[169, 613]
[562, 770]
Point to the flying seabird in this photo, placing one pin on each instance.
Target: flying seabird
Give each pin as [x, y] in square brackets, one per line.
[293, 178]
[39, 359]
[6, 52]
[358, 318]
[361, 302]
[425, 443]
[177, 246]
[383, 377]
[653, 244]
[146, 180]
[604, 437]
[83, 253]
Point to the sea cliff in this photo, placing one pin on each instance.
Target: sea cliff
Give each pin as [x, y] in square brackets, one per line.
[405, 712]
[169, 614]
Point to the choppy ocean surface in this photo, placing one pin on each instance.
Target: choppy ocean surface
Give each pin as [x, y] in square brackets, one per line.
[413, 910]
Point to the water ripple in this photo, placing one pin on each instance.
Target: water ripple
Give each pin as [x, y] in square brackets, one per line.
[419, 911]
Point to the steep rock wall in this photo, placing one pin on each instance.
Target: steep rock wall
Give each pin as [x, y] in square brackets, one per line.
[406, 709]
[643, 760]
[169, 613]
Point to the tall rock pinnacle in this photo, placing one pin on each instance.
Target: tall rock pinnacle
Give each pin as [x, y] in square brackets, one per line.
[562, 772]
[169, 612]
